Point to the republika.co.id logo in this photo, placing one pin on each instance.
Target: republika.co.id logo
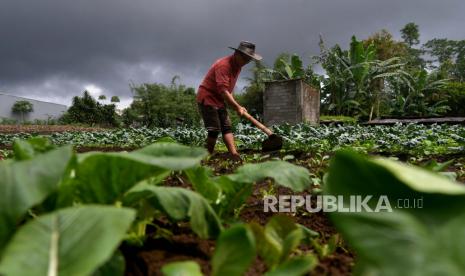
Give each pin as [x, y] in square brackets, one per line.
[330, 203]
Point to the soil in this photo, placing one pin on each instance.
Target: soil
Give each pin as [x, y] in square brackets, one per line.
[82, 149]
[45, 129]
[104, 149]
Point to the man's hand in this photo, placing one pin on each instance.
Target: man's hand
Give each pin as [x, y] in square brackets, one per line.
[232, 102]
[241, 110]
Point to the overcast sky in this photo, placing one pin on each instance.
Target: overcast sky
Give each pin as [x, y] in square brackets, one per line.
[54, 49]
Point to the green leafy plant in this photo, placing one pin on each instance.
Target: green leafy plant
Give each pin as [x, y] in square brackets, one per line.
[288, 67]
[296, 266]
[45, 180]
[31, 147]
[228, 192]
[275, 244]
[73, 241]
[277, 240]
[36, 243]
[24, 184]
[238, 246]
[324, 250]
[178, 204]
[417, 240]
[234, 252]
[50, 196]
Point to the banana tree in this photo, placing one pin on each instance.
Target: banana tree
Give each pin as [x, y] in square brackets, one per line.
[336, 90]
[356, 78]
[290, 67]
[423, 88]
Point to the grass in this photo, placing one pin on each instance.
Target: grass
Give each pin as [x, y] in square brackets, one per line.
[345, 119]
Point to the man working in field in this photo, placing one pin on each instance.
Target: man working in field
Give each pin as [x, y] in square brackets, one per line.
[216, 90]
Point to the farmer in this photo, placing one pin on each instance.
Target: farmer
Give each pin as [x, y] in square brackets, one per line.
[216, 89]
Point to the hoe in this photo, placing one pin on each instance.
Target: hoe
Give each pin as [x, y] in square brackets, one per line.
[273, 142]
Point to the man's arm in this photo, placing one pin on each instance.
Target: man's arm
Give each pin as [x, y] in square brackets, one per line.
[232, 102]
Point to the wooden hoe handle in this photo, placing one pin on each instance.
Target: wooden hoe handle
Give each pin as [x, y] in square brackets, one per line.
[257, 123]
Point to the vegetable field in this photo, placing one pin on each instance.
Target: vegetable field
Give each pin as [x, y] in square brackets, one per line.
[398, 139]
[151, 202]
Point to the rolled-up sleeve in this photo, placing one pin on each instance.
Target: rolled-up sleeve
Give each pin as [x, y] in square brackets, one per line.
[222, 78]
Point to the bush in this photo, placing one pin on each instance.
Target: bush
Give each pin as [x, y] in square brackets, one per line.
[456, 98]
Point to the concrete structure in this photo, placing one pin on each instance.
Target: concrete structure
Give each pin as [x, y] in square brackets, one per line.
[42, 110]
[290, 101]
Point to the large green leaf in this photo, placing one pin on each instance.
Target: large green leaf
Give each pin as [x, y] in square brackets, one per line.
[27, 149]
[73, 241]
[233, 195]
[236, 188]
[172, 156]
[297, 67]
[277, 240]
[296, 266]
[105, 177]
[234, 252]
[283, 233]
[418, 241]
[24, 184]
[178, 204]
[289, 71]
[187, 268]
[201, 179]
[284, 173]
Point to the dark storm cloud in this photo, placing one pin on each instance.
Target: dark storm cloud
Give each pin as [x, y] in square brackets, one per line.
[53, 49]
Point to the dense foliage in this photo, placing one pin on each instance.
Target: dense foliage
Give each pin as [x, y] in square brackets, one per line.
[86, 110]
[382, 77]
[456, 98]
[64, 213]
[406, 241]
[158, 105]
[77, 209]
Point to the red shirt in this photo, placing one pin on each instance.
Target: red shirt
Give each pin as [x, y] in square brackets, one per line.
[221, 77]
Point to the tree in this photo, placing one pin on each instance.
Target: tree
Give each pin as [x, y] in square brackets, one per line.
[22, 107]
[386, 46]
[459, 70]
[102, 97]
[422, 95]
[442, 49]
[252, 98]
[456, 98]
[449, 57]
[115, 99]
[353, 83]
[86, 110]
[411, 34]
[158, 105]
